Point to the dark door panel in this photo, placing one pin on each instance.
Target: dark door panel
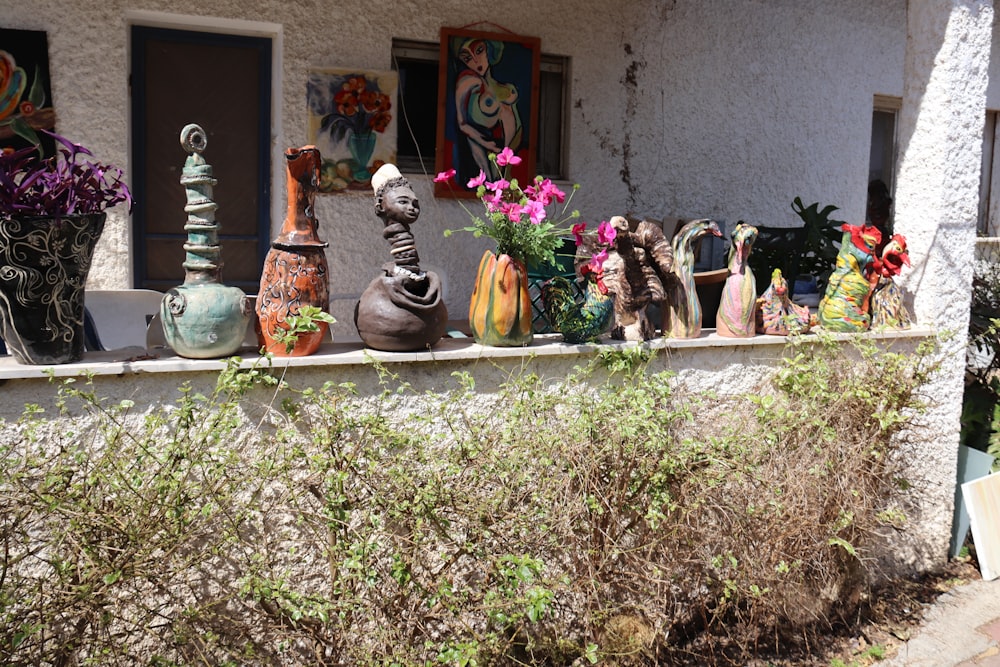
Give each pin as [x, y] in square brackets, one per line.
[223, 83]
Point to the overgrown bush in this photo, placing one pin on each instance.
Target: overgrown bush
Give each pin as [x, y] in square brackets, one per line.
[606, 517]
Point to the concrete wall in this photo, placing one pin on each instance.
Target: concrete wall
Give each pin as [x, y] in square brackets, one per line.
[709, 108]
[721, 108]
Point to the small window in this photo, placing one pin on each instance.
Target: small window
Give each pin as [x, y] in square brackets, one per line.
[882, 160]
[987, 222]
[417, 64]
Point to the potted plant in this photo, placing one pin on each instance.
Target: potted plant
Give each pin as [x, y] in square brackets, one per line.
[52, 212]
[500, 312]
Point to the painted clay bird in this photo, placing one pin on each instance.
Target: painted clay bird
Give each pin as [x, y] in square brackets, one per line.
[738, 304]
[887, 300]
[682, 316]
[776, 314]
[845, 305]
[578, 322]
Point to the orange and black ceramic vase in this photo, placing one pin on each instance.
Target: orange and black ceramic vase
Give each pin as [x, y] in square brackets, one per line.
[295, 270]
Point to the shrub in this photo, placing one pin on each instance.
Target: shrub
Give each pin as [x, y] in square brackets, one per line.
[609, 516]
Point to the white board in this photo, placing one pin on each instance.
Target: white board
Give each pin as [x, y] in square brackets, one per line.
[982, 499]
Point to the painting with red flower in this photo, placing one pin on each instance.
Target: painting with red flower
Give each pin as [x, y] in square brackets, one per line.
[487, 102]
[25, 94]
[352, 121]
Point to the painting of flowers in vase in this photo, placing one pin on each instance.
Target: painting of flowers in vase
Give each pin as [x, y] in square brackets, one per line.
[352, 121]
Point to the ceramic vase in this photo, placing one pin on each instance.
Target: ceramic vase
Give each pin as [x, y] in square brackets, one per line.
[362, 146]
[202, 318]
[44, 262]
[295, 270]
[500, 310]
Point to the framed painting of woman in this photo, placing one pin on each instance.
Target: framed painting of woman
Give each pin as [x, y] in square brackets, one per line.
[487, 101]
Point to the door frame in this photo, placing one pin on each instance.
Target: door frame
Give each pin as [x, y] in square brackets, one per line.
[221, 26]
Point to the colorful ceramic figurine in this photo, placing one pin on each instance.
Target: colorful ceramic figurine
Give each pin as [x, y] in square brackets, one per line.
[776, 314]
[202, 318]
[844, 308]
[578, 322]
[402, 308]
[295, 270]
[735, 318]
[631, 277]
[887, 304]
[682, 317]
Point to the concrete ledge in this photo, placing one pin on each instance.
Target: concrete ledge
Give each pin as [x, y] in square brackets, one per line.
[141, 360]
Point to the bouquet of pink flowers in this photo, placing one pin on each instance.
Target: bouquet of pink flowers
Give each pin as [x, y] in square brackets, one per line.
[519, 220]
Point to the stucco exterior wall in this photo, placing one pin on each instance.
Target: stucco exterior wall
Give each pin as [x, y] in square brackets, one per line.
[711, 108]
[719, 108]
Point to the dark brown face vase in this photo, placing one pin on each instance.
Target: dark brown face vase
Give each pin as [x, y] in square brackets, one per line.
[402, 309]
[295, 270]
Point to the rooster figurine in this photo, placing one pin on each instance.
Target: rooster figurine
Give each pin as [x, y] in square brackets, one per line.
[887, 306]
[776, 314]
[682, 317]
[578, 322]
[844, 307]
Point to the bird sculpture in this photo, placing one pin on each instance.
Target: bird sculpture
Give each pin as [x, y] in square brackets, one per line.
[844, 307]
[735, 318]
[888, 309]
[682, 316]
[578, 322]
[633, 274]
[776, 314]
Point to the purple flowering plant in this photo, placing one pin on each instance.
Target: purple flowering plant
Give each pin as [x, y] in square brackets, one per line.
[66, 183]
[519, 219]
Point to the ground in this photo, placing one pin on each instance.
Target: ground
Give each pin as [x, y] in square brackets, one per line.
[891, 616]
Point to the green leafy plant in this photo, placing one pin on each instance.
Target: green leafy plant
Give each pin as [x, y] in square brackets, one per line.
[822, 240]
[981, 401]
[609, 517]
[303, 322]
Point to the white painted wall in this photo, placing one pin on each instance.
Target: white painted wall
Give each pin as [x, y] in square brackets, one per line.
[713, 108]
[721, 108]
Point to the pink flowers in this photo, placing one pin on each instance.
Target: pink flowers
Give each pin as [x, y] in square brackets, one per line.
[545, 191]
[605, 237]
[445, 176]
[519, 220]
[477, 181]
[506, 156]
[606, 233]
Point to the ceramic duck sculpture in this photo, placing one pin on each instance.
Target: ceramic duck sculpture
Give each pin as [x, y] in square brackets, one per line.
[844, 308]
[888, 308]
[776, 314]
[202, 318]
[682, 317]
[735, 318]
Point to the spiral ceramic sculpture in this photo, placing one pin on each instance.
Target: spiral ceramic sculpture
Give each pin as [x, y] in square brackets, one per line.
[202, 318]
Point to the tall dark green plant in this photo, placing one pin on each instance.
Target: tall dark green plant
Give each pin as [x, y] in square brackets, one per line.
[981, 402]
[822, 240]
